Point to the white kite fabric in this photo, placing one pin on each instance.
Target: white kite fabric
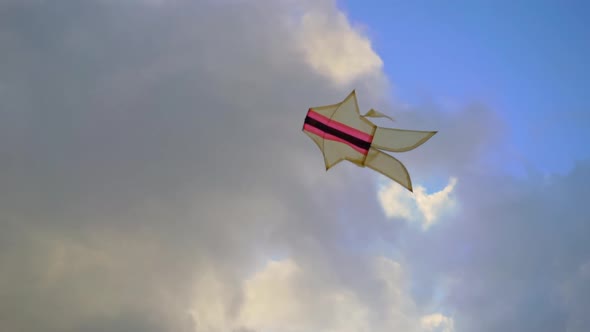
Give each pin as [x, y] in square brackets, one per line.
[342, 133]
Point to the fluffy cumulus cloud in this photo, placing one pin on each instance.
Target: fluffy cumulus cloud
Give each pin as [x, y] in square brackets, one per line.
[421, 207]
[155, 178]
[335, 49]
[437, 322]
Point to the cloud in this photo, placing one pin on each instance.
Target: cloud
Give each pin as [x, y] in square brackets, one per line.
[278, 298]
[419, 207]
[509, 255]
[512, 257]
[437, 322]
[284, 296]
[156, 179]
[336, 49]
[156, 162]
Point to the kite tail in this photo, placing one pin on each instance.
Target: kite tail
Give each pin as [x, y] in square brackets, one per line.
[389, 166]
[399, 140]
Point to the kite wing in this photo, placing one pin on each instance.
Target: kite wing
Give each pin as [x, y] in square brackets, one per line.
[342, 133]
[400, 140]
[389, 166]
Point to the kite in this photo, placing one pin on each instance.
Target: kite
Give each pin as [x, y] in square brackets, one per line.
[342, 133]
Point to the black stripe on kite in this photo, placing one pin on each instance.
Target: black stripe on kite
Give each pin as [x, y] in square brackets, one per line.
[340, 134]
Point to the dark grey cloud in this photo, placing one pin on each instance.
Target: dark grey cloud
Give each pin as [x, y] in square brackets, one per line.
[146, 145]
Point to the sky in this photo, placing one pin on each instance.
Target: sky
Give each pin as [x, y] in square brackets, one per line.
[526, 59]
[154, 176]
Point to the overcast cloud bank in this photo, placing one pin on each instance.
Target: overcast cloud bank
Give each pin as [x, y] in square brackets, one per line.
[155, 178]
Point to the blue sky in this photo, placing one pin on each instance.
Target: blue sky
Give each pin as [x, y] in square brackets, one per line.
[527, 60]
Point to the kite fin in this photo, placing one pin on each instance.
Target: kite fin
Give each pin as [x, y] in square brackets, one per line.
[400, 140]
[375, 114]
[389, 166]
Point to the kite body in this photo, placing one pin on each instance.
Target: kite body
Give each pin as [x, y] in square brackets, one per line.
[342, 133]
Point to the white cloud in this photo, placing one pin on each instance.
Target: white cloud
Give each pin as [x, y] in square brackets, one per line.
[438, 323]
[336, 49]
[277, 299]
[435, 205]
[419, 207]
[283, 296]
[212, 299]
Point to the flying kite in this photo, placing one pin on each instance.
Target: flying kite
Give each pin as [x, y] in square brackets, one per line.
[342, 133]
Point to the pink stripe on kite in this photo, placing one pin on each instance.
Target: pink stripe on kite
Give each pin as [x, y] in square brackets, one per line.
[317, 116]
[340, 126]
[323, 135]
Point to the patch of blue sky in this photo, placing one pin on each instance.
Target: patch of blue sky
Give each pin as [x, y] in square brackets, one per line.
[527, 60]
